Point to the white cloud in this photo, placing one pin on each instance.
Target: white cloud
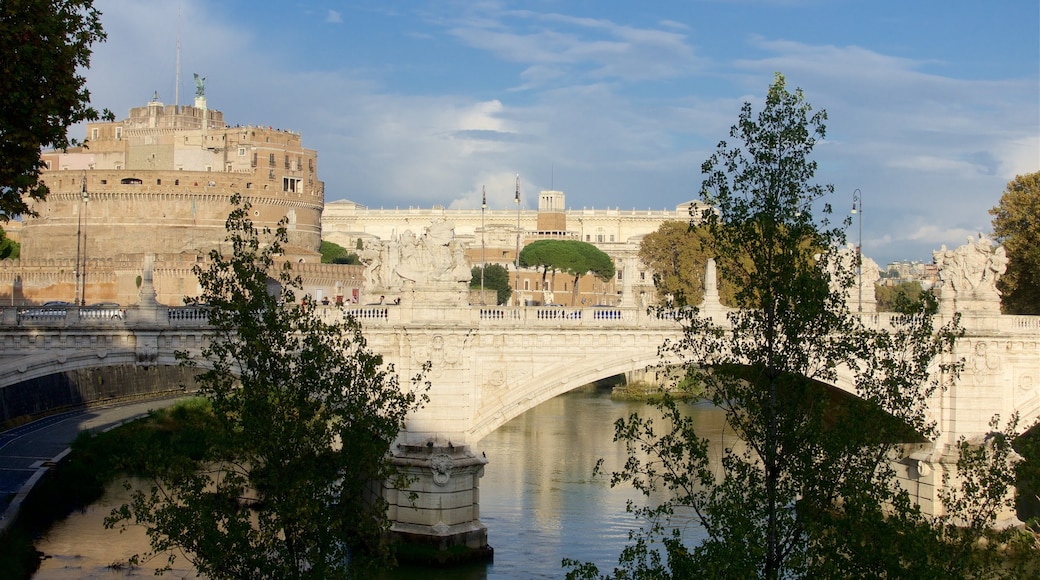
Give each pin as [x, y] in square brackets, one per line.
[334, 17]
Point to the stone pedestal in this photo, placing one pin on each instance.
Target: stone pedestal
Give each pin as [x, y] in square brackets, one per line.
[437, 517]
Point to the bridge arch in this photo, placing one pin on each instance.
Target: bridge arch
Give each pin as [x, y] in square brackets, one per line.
[552, 381]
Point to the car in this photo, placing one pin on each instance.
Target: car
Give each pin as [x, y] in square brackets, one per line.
[111, 310]
[47, 310]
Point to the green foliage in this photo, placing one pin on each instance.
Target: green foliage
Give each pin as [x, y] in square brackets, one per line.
[677, 253]
[304, 417]
[808, 491]
[905, 298]
[496, 278]
[1016, 224]
[45, 46]
[9, 249]
[570, 256]
[332, 253]
[96, 460]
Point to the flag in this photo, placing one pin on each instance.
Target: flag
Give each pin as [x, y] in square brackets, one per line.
[517, 189]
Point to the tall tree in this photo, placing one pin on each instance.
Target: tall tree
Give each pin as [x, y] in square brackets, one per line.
[571, 256]
[1016, 224]
[806, 491]
[677, 253]
[306, 416]
[496, 278]
[44, 46]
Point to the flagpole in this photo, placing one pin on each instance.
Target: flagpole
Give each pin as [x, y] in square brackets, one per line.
[483, 206]
[516, 263]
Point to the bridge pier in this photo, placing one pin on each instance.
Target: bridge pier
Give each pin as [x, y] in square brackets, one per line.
[440, 524]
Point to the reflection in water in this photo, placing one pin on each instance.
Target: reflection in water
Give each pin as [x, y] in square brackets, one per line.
[538, 499]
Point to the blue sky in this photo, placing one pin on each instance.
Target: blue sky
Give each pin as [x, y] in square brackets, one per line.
[933, 105]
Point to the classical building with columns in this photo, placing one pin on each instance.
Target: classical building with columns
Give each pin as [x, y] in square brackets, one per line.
[493, 237]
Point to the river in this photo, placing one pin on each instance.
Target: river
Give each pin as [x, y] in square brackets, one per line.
[538, 498]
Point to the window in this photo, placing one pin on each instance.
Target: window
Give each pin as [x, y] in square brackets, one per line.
[619, 274]
[642, 276]
[527, 284]
[249, 185]
[599, 238]
[310, 165]
[588, 237]
[254, 159]
[612, 237]
[130, 181]
[119, 132]
[287, 162]
[158, 182]
[94, 133]
[292, 184]
[241, 151]
[270, 160]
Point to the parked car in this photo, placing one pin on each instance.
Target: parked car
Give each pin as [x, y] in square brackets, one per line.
[111, 310]
[47, 310]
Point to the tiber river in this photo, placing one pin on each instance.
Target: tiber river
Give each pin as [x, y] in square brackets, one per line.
[538, 499]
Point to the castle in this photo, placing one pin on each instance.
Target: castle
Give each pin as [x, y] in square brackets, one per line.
[160, 183]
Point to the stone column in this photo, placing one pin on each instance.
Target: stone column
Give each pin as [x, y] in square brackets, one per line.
[442, 525]
[628, 298]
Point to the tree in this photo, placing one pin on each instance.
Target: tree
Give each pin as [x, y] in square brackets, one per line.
[496, 278]
[332, 253]
[9, 249]
[677, 253]
[306, 415]
[1016, 224]
[806, 492]
[571, 256]
[905, 297]
[44, 45]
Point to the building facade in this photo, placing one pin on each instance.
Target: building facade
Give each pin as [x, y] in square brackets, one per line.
[495, 236]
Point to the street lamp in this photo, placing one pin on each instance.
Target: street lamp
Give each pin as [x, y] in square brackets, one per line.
[483, 264]
[516, 258]
[857, 210]
[81, 245]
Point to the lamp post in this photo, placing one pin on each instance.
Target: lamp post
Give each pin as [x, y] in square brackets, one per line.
[857, 210]
[483, 206]
[516, 258]
[81, 246]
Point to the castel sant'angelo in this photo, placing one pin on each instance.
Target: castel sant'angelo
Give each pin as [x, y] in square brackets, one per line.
[159, 184]
[156, 187]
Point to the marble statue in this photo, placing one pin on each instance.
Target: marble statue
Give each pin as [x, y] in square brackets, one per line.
[431, 263]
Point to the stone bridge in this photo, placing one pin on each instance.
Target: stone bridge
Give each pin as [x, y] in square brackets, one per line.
[490, 364]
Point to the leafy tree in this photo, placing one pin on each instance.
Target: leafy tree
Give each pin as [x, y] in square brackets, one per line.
[306, 415]
[332, 253]
[44, 47]
[677, 253]
[809, 490]
[905, 297]
[9, 249]
[570, 256]
[1016, 224]
[496, 278]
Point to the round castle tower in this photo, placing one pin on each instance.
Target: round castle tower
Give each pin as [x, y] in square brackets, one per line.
[161, 180]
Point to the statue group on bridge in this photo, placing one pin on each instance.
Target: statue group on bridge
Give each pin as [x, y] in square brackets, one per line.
[433, 264]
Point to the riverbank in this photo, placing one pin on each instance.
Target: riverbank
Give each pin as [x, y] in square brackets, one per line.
[78, 478]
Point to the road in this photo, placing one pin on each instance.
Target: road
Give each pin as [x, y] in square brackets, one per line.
[27, 451]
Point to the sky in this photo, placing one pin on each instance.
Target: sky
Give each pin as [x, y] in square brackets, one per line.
[933, 105]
